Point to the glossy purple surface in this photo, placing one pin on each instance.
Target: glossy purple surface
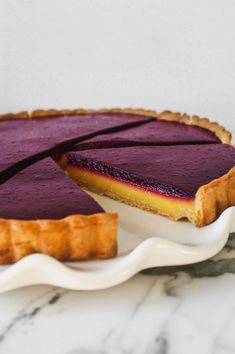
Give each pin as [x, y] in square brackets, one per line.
[176, 171]
[155, 133]
[23, 138]
[44, 191]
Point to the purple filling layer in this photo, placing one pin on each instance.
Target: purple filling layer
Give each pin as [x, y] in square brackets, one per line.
[24, 138]
[156, 132]
[44, 191]
[176, 171]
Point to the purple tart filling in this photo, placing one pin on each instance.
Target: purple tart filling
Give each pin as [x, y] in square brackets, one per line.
[44, 191]
[156, 132]
[165, 169]
[24, 141]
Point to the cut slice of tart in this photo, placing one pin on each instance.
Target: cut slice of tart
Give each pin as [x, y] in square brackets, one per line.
[156, 132]
[43, 210]
[27, 138]
[192, 181]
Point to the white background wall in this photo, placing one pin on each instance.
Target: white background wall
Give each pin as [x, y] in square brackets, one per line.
[159, 54]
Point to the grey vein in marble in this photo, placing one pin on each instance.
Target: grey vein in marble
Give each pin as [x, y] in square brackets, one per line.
[160, 345]
[26, 314]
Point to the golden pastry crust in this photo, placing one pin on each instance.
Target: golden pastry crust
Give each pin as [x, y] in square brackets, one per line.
[76, 237]
[221, 133]
[213, 198]
[218, 130]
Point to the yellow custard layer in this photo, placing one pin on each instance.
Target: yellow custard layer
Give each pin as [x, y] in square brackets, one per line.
[172, 207]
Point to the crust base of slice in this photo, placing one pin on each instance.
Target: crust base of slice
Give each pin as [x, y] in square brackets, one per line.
[74, 238]
[210, 200]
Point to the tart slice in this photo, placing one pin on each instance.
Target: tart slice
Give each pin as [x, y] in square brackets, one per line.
[180, 181]
[28, 137]
[156, 132]
[42, 210]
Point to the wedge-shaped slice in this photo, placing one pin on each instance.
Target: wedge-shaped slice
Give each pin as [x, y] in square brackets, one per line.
[28, 138]
[43, 210]
[157, 132]
[192, 181]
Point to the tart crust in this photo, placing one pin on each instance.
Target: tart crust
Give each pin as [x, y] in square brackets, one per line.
[76, 237]
[213, 198]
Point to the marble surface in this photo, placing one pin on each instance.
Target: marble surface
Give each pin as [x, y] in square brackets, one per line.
[161, 311]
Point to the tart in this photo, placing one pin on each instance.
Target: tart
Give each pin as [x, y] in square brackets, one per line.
[140, 157]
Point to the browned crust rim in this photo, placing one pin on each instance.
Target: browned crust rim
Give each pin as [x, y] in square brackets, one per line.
[221, 133]
[213, 198]
[76, 237]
